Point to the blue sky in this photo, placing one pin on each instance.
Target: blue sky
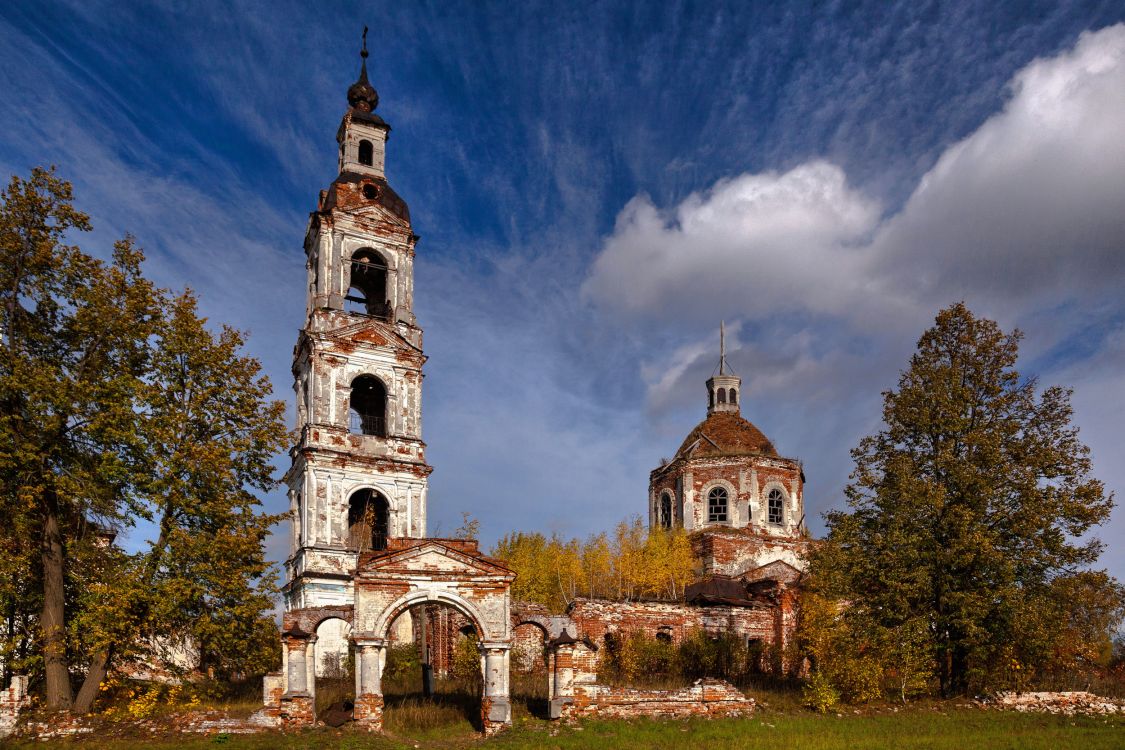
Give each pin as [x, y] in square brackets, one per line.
[597, 185]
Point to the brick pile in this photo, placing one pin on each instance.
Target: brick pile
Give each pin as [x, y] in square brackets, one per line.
[1067, 703]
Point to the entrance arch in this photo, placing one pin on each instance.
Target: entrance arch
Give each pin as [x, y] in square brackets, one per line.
[414, 572]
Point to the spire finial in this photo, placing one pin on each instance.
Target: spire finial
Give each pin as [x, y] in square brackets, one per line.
[362, 95]
[722, 347]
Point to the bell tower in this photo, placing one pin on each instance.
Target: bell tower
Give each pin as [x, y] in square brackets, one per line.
[359, 471]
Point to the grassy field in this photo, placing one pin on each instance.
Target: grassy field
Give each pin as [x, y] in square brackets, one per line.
[932, 726]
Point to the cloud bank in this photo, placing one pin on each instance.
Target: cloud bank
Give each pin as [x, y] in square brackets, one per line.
[1027, 211]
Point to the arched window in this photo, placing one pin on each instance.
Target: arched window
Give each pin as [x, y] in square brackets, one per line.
[368, 407]
[366, 153]
[733, 396]
[368, 521]
[367, 294]
[722, 395]
[717, 505]
[776, 506]
[666, 511]
[710, 399]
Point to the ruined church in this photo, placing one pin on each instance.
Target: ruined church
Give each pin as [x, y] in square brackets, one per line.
[362, 572]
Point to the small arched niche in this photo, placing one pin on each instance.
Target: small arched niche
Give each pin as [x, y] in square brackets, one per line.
[367, 407]
[366, 153]
[367, 293]
[368, 521]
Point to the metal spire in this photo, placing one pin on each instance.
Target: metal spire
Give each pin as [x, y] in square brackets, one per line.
[722, 347]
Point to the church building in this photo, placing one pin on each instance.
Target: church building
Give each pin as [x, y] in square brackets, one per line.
[727, 484]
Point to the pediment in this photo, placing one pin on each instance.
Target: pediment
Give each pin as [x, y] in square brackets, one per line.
[776, 570]
[432, 558]
[371, 332]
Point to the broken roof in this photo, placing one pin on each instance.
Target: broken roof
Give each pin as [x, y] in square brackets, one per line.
[726, 434]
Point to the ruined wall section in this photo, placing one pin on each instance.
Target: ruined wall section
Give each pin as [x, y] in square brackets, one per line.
[738, 552]
[595, 618]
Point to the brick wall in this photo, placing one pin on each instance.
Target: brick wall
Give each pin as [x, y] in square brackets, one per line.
[594, 618]
[705, 698]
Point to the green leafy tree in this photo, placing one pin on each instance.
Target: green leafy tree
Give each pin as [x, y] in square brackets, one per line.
[969, 512]
[118, 405]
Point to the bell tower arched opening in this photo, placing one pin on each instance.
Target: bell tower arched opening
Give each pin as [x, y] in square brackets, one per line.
[367, 293]
[367, 404]
[368, 521]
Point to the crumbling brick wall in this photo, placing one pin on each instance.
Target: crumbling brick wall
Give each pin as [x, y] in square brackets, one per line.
[594, 618]
[705, 698]
[13, 699]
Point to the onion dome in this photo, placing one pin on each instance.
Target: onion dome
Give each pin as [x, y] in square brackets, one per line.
[362, 95]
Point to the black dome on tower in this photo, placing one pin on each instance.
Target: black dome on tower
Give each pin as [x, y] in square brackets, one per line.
[361, 94]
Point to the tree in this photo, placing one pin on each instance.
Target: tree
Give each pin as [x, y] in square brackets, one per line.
[636, 563]
[968, 509]
[117, 405]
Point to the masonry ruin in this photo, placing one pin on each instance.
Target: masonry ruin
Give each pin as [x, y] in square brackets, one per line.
[362, 573]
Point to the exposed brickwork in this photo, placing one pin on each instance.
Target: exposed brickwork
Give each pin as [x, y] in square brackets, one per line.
[368, 712]
[13, 700]
[707, 698]
[296, 712]
[595, 618]
[575, 691]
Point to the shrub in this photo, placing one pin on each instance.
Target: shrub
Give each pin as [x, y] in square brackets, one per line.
[819, 694]
[466, 659]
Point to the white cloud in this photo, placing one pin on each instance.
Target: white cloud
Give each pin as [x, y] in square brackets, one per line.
[763, 241]
[1029, 210]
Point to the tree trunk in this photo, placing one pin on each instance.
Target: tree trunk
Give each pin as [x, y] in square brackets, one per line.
[59, 696]
[89, 691]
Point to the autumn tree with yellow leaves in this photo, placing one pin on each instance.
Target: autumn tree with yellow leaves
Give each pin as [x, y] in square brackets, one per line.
[120, 406]
[632, 563]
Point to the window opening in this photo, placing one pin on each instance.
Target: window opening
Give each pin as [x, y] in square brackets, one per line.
[368, 521]
[722, 395]
[366, 153]
[666, 511]
[733, 396]
[717, 505]
[776, 504]
[367, 294]
[367, 407]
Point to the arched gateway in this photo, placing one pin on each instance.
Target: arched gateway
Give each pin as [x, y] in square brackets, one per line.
[409, 573]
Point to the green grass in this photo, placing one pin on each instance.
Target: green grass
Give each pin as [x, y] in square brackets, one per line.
[930, 727]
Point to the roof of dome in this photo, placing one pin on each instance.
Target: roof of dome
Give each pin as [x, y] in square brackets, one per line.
[726, 434]
[362, 96]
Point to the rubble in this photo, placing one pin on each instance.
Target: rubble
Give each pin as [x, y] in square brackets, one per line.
[1066, 703]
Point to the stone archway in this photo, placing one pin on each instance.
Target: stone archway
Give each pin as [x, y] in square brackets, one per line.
[413, 572]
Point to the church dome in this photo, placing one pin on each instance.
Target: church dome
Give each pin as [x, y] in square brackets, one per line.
[726, 434]
[362, 95]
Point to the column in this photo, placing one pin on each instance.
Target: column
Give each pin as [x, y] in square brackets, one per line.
[370, 657]
[498, 709]
[298, 675]
[310, 666]
[369, 660]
